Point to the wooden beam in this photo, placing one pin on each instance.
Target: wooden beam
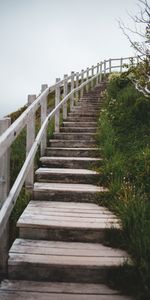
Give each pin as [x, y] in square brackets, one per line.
[43, 117]
[57, 100]
[64, 95]
[72, 88]
[4, 190]
[30, 137]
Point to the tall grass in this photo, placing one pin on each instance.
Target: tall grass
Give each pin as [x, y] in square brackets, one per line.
[124, 136]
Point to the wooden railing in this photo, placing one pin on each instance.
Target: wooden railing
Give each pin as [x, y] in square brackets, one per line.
[77, 83]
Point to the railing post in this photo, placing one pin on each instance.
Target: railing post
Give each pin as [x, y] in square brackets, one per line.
[110, 66]
[82, 80]
[121, 64]
[30, 137]
[65, 94]
[72, 87]
[77, 84]
[4, 190]
[97, 78]
[101, 69]
[87, 77]
[92, 82]
[57, 100]
[43, 117]
[104, 68]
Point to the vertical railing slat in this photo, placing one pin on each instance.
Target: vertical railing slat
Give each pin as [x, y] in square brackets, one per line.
[87, 77]
[121, 64]
[92, 74]
[110, 66]
[43, 117]
[64, 95]
[101, 70]
[82, 80]
[57, 100]
[97, 78]
[4, 190]
[30, 137]
[72, 87]
[77, 85]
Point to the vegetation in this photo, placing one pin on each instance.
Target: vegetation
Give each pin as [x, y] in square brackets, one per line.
[138, 36]
[124, 138]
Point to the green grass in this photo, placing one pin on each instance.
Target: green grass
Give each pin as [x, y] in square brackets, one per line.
[124, 138]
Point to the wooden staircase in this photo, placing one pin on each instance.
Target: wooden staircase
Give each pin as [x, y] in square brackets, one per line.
[60, 253]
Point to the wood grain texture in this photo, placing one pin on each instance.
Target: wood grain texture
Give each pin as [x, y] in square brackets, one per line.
[31, 290]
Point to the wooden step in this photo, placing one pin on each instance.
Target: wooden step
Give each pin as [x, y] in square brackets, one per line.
[85, 109]
[33, 290]
[72, 143]
[75, 136]
[69, 192]
[79, 124]
[69, 222]
[67, 175]
[70, 162]
[70, 152]
[82, 119]
[79, 129]
[83, 114]
[62, 261]
[89, 105]
[91, 99]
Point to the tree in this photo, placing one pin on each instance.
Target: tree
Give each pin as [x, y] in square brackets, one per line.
[140, 75]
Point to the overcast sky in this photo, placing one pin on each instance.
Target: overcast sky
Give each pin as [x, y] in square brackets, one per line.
[44, 39]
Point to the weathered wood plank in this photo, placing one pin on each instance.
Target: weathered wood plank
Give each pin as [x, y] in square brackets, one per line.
[63, 261]
[4, 190]
[69, 187]
[55, 287]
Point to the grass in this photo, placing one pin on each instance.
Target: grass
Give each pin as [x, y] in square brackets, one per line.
[124, 139]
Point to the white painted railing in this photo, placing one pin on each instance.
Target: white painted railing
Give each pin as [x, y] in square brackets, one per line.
[77, 82]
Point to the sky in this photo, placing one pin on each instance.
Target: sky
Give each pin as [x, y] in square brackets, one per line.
[41, 40]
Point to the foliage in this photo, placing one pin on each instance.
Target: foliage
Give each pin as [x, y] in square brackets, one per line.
[124, 136]
[141, 33]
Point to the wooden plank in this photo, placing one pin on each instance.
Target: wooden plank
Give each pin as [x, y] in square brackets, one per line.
[55, 287]
[57, 100]
[57, 244]
[66, 171]
[11, 295]
[65, 93]
[93, 213]
[87, 159]
[69, 187]
[64, 212]
[70, 205]
[61, 260]
[68, 217]
[30, 137]
[70, 213]
[26, 222]
[4, 190]
[43, 117]
[66, 250]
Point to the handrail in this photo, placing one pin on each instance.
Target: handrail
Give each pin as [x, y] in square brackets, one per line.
[14, 192]
[8, 137]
